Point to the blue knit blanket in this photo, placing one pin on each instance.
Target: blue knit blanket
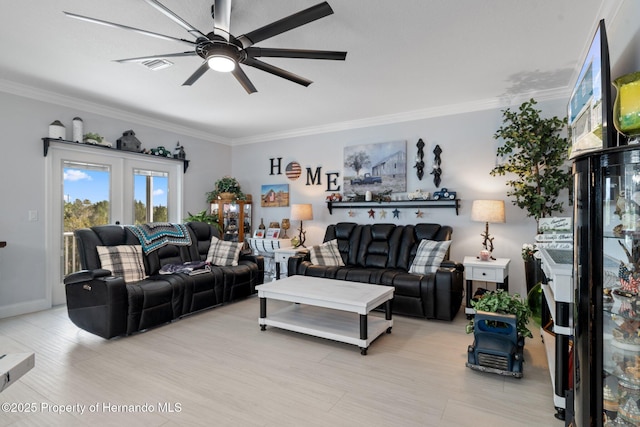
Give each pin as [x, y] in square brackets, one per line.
[155, 235]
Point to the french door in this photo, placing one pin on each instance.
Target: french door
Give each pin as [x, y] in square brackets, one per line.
[89, 187]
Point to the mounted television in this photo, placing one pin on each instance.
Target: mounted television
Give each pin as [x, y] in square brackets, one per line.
[590, 117]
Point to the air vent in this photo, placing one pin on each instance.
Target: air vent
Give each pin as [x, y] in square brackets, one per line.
[157, 64]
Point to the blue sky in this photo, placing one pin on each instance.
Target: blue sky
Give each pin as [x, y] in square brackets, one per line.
[94, 185]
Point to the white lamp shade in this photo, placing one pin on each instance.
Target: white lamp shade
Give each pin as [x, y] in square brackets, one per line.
[301, 212]
[488, 211]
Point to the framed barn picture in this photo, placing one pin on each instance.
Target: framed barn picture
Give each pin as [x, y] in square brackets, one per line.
[274, 195]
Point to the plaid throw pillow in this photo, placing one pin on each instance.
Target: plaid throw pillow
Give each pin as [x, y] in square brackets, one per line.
[326, 254]
[429, 256]
[223, 253]
[123, 261]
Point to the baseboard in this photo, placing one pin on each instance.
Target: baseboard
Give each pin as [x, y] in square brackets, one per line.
[24, 308]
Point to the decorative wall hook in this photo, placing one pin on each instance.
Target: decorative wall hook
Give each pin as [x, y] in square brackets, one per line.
[420, 160]
[437, 171]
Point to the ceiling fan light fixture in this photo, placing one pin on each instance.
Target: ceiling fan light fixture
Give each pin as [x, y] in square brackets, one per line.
[221, 63]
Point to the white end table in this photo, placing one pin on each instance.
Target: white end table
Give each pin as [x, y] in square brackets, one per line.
[282, 256]
[493, 271]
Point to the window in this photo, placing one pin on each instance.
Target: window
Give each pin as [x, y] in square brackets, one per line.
[151, 198]
[89, 186]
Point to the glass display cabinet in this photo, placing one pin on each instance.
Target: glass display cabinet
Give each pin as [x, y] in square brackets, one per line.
[234, 217]
[607, 288]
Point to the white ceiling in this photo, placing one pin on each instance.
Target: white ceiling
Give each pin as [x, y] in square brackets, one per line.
[406, 59]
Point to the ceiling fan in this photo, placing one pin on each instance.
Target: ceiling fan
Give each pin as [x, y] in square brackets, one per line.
[223, 52]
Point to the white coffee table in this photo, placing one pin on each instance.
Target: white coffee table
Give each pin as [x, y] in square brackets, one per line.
[328, 308]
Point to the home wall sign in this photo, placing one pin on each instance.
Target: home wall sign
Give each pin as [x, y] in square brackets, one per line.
[293, 170]
[313, 177]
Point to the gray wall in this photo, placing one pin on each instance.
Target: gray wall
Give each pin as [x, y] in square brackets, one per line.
[466, 140]
[24, 122]
[469, 153]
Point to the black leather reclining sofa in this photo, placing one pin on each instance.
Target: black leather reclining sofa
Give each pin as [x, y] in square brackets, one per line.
[106, 306]
[382, 254]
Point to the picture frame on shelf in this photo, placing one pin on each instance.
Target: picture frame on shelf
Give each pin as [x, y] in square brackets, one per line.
[259, 233]
[273, 233]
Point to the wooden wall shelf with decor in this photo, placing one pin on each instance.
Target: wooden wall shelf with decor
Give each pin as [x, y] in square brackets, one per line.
[234, 218]
[410, 204]
[47, 142]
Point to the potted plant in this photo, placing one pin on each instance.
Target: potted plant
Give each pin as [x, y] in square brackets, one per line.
[532, 266]
[226, 187]
[536, 154]
[500, 301]
[203, 216]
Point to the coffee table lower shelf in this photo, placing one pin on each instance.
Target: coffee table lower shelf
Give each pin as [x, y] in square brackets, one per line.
[326, 323]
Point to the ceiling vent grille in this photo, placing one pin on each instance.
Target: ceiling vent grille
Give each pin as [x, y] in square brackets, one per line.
[157, 64]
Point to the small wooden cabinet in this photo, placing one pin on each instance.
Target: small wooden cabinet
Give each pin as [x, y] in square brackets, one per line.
[234, 217]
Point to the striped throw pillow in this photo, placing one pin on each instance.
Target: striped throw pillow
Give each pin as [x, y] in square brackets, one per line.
[326, 254]
[223, 253]
[429, 256]
[123, 261]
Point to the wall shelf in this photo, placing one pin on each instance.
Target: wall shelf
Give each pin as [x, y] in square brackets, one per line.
[452, 204]
[47, 142]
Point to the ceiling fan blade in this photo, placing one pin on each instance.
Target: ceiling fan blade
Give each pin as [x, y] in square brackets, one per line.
[243, 80]
[221, 12]
[125, 27]
[149, 58]
[285, 24]
[175, 18]
[295, 53]
[276, 71]
[197, 74]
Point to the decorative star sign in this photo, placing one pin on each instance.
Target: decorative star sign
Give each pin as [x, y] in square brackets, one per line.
[372, 213]
[419, 214]
[383, 213]
[396, 213]
[352, 213]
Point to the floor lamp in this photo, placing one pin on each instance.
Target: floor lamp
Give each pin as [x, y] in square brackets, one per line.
[487, 211]
[301, 212]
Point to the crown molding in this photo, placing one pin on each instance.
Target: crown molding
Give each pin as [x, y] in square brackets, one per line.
[55, 98]
[389, 119]
[408, 116]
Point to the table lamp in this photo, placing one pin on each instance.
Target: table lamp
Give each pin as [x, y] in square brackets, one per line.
[487, 211]
[301, 212]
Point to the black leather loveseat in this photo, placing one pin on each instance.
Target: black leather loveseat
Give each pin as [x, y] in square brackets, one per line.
[382, 254]
[105, 305]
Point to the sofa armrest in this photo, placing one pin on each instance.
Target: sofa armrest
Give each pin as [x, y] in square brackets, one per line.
[97, 302]
[295, 261]
[85, 276]
[448, 290]
[458, 266]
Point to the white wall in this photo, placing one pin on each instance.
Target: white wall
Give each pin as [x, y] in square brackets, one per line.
[24, 122]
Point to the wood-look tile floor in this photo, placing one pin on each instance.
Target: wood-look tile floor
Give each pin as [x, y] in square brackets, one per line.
[216, 368]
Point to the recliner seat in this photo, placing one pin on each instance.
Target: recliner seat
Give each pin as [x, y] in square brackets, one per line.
[382, 254]
[107, 306]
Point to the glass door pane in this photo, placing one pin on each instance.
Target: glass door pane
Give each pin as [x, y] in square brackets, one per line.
[151, 196]
[86, 203]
